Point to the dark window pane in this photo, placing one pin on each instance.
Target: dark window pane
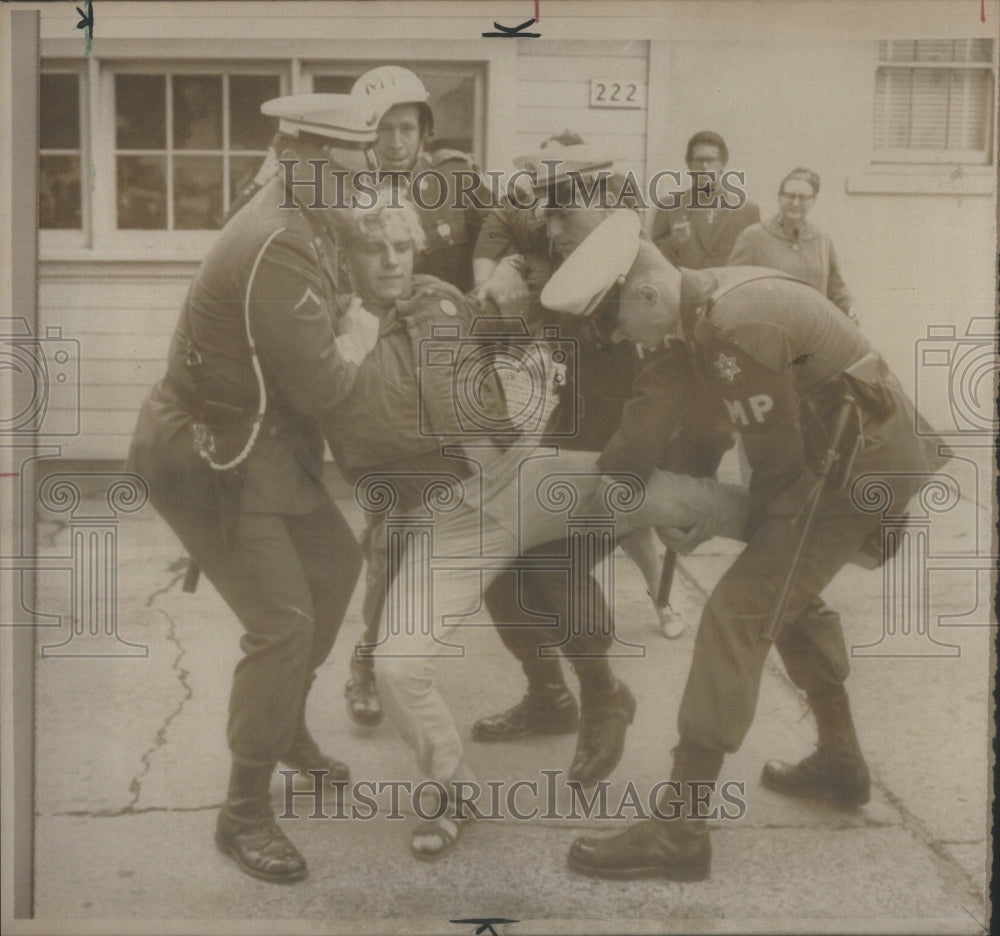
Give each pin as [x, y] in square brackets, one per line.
[59, 109]
[140, 111]
[142, 192]
[197, 192]
[59, 192]
[974, 50]
[198, 112]
[248, 127]
[242, 170]
[453, 99]
[334, 84]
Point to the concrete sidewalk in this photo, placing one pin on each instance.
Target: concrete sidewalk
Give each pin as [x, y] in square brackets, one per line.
[131, 766]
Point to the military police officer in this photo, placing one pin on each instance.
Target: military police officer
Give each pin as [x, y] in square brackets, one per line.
[532, 246]
[450, 219]
[231, 444]
[794, 374]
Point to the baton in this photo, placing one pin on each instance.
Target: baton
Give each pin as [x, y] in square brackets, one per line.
[666, 578]
[830, 457]
[191, 577]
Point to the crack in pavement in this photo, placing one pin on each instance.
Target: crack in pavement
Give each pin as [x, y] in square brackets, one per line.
[47, 532]
[916, 827]
[164, 590]
[135, 786]
[979, 922]
[116, 813]
[160, 739]
[911, 823]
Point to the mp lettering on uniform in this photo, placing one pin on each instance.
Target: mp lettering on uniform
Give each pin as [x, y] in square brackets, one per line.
[737, 413]
[760, 404]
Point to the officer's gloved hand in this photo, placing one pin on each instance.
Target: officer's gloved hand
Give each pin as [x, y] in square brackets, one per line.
[684, 541]
[506, 287]
[358, 332]
[726, 517]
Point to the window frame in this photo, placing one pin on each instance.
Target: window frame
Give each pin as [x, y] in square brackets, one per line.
[69, 238]
[944, 175]
[496, 62]
[884, 157]
[106, 233]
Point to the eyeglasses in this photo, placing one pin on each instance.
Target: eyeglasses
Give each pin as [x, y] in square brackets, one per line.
[791, 196]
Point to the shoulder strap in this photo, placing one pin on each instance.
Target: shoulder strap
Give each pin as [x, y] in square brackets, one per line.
[753, 278]
[203, 439]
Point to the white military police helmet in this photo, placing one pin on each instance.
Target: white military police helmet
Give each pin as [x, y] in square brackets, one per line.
[603, 258]
[382, 88]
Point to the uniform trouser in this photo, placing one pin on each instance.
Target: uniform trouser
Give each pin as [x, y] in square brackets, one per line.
[289, 580]
[423, 626]
[519, 601]
[723, 684]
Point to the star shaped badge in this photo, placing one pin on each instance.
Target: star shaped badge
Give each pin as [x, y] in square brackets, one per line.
[727, 367]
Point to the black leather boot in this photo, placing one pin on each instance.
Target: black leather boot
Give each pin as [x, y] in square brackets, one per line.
[248, 832]
[678, 851]
[547, 708]
[836, 770]
[303, 753]
[676, 848]
[606, 715]
[363, 704]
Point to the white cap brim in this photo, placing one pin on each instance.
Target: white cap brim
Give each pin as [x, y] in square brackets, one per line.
[553, 164]
[603, 258]
[334, 116]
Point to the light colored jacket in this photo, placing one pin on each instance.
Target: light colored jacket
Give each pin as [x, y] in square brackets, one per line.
[809, 257]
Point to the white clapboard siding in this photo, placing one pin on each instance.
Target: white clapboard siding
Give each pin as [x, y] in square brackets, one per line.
[553, 94]
[581, 69]
[621, 48]
[121, 318]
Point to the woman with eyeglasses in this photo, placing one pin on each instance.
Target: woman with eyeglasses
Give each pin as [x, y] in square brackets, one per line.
[790, 243]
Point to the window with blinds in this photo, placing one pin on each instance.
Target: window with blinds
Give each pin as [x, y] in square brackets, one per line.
[934, 101]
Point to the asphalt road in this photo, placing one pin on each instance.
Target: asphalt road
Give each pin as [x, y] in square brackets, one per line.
[131, 766]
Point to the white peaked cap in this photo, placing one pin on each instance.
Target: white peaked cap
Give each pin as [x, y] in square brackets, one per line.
[335, 116]
[603, 258]
[552, 163]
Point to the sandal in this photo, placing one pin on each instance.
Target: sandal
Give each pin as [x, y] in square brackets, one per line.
[433, 838]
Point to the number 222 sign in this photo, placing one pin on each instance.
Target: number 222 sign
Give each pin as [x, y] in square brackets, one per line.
[608, 93]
